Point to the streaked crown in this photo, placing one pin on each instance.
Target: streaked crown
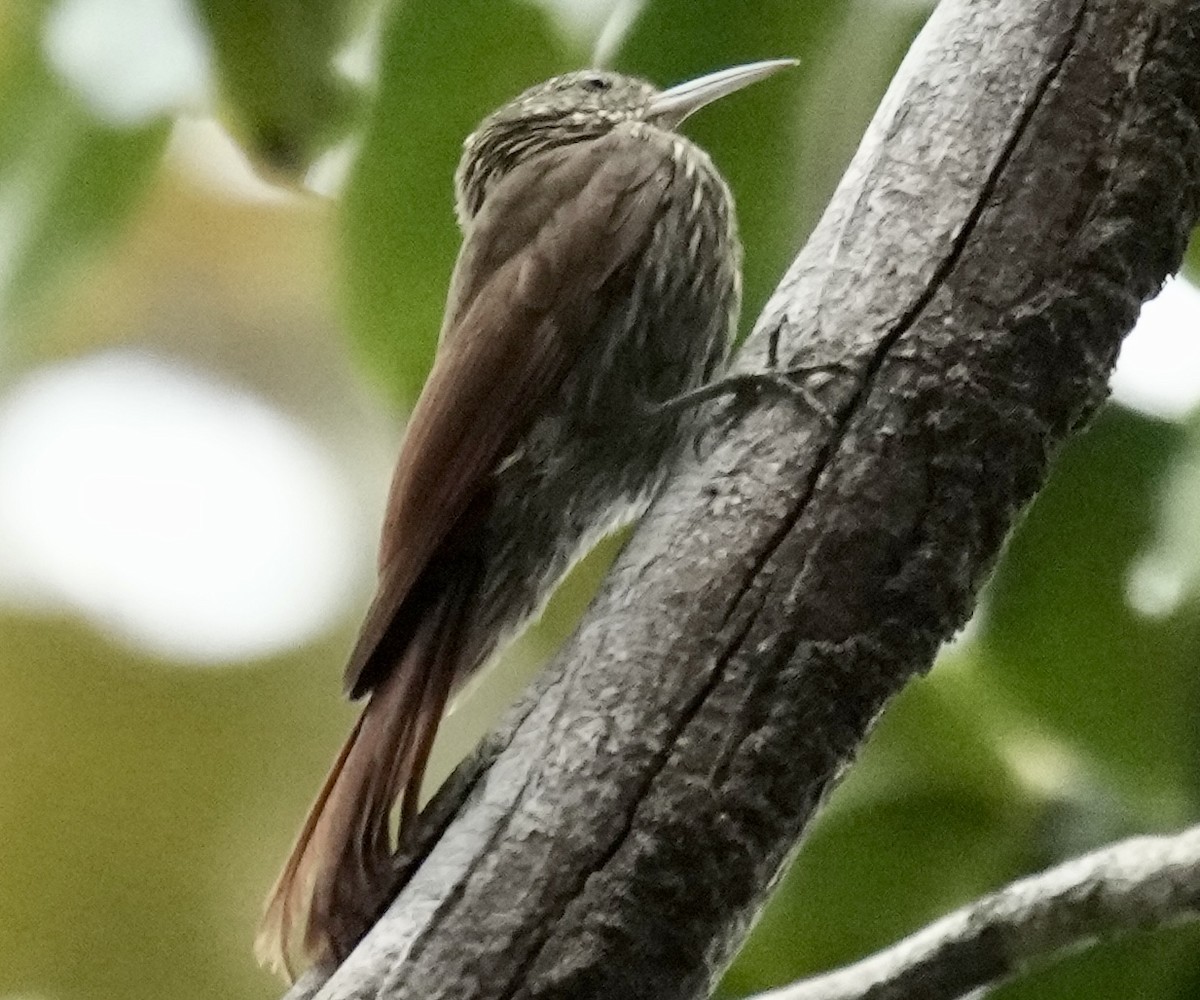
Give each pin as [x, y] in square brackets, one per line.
[578, 106]
[562, 110]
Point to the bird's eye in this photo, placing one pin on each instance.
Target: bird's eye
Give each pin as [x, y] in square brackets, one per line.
[597, 83]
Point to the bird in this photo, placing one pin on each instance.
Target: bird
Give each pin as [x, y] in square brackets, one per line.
[591, 308]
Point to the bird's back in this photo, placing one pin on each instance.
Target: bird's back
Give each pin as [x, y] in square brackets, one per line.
[664, 323]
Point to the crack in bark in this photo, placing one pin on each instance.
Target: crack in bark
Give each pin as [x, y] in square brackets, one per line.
[888, 342]
[652, 772]
[494, 837]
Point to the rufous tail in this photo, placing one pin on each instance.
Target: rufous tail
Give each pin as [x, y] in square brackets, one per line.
[339, 876]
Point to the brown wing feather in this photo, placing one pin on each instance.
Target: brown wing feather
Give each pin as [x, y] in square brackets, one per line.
[338, 875]
[553, 232]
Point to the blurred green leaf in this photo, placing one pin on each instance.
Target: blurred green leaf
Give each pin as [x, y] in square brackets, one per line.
[1062, 639]
[850, 73]
[67, 181]
[866, 877]
[937, 736]
[1191, 260]
[284, 100]
[1153, 966]
[1168, 571]
[144, 809]
[928, 818]
[753, 136]
[443, 67]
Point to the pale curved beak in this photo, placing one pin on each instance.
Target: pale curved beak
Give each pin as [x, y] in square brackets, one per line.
[674, 105]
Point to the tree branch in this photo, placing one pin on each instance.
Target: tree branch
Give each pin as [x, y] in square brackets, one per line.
[1028, 181]
[1137, 884]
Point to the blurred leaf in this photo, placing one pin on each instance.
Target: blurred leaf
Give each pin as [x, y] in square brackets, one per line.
[1149, 966]
[286, 102]
[754, 135]
[929, 817]
[67, 181]
[1191, 260]
[868, 876]
[143, 809]
[850, 73]
[444, 66]
[1061, 637]
[937, 735]
[1169, 570]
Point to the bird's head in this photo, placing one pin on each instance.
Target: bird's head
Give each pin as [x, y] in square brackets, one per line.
[580, 106]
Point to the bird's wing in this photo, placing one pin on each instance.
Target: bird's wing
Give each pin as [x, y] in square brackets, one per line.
[524, 302]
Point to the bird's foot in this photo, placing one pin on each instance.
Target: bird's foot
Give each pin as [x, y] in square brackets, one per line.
[791, 382]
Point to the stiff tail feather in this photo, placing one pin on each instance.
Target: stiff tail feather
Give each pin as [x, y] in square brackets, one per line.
[339, 875]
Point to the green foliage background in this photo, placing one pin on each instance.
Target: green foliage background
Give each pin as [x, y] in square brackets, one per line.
[144, 808]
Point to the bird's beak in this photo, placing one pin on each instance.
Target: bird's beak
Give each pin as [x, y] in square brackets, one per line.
[674, 105]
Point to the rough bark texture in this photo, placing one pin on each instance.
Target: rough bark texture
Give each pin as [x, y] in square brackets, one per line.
[1029, 180]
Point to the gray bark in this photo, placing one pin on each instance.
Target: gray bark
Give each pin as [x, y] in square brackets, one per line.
[1028, 181]
[1139, 883]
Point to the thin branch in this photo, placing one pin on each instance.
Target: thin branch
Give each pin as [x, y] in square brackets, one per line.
[1028, 181]
[1137, 884]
